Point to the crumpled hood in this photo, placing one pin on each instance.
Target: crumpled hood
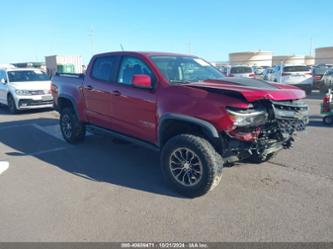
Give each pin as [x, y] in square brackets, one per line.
[252, 89]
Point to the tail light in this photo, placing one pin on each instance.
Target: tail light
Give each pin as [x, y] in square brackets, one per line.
[251, 75]
[318, 77]
[326, 103]
[54, 89]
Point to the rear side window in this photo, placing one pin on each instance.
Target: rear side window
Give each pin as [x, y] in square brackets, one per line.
[296, 69]
[320, 70]
[241, 70]
[103, 68]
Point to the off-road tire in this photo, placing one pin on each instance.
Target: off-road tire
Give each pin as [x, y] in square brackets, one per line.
[257, 159]
[11, 105]
[211, 161]
[69, 120]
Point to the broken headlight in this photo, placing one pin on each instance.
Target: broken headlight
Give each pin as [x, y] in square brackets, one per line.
[247, 117]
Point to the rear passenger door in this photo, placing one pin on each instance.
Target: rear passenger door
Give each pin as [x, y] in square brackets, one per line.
[98, 89]
[133, 110]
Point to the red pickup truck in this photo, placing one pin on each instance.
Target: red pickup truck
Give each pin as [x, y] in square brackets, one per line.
[182, 106]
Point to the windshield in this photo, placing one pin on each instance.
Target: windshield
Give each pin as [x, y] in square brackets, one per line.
[235, 70]
[183, 69]
[27, 75]
[296, 69]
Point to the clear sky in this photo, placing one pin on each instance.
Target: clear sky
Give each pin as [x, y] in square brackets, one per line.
[210, 29]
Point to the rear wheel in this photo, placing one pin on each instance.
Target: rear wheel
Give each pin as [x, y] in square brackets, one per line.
[72, 129]
[11, 105]
[328, 120]
[191, 165]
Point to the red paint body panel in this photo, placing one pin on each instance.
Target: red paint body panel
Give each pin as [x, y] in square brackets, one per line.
[136, 112]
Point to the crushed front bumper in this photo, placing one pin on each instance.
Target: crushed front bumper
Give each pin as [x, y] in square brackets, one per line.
[286, 118]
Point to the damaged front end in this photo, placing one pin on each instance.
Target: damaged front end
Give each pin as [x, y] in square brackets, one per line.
[263, 129]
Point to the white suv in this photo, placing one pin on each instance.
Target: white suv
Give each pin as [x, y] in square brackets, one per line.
[297, 75]
[240, 71]
[25, 88]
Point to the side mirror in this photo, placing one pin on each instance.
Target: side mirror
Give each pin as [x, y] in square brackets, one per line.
[3, 81]
[142, 81]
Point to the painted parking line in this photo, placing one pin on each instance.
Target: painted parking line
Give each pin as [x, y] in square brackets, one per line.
[53, 130]
[4, 165]
[39, 153]
[14, 126]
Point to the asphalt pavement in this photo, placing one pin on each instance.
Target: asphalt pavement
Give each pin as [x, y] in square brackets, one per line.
[108, 190]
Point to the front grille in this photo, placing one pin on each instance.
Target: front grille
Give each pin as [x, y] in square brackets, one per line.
[37, 92]
[291, 115]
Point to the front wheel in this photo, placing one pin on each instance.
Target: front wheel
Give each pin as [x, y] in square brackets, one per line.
[11, 105]
[191, 165]
[72, 129]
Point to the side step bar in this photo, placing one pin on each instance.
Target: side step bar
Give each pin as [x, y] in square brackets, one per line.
[102, 131]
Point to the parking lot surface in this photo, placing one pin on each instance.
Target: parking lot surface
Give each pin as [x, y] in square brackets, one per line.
[108, 190]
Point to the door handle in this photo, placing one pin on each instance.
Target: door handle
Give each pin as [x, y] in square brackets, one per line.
[89, 87]
[116, 93]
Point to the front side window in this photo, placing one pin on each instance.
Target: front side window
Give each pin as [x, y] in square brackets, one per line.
[103, 68]
[184, 69]
[131, 66]
[27, 75]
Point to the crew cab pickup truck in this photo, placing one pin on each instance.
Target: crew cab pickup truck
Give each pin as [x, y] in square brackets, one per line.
[183, 107]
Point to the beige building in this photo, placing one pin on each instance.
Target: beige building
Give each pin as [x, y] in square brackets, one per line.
[293, 59]
[309, 60]
[324, 55]
[259, 58]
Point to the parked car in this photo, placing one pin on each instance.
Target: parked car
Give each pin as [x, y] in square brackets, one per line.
[327, 81]
[318, 73]
[224, 70]
[24, 88]
[240, 71]
[268, 73]
[296, 75]
[259, 73]
[183, 107]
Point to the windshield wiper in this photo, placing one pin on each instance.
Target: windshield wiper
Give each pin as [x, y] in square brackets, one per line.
[212, 79]
[180, 81]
